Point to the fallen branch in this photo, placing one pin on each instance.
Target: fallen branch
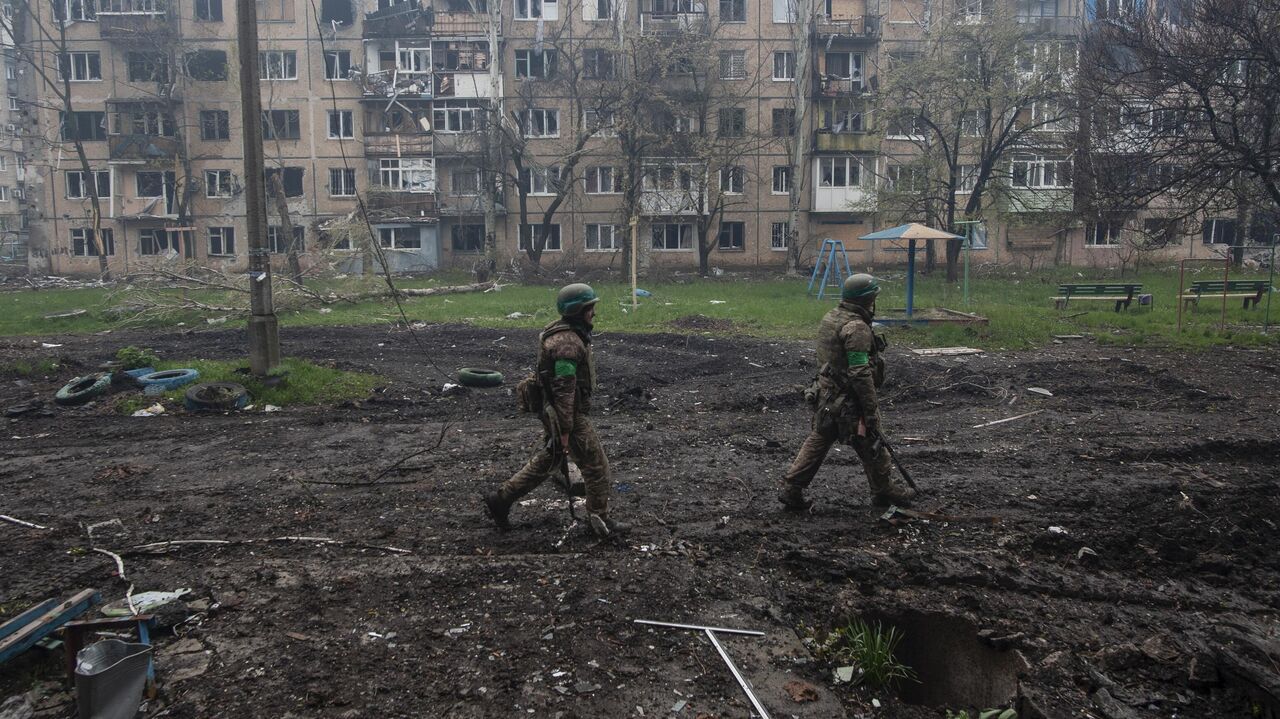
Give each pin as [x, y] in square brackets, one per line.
[1006, 419]
[21, 523]
[119, 562]
[444, 427]
[162, 547]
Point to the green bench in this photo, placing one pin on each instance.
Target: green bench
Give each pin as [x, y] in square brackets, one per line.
[1122, 294]
[1250, 290]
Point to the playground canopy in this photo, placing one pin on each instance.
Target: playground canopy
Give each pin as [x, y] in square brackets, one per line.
[911, 232]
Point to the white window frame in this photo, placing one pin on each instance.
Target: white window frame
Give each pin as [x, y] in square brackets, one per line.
[82, 234]
[591, 10]
[534, 64]
[217, 184]
[413, 59]
[274, 244]
[81, 68]
[857, 67]
[453, 119]
[781, 179]
[602, 123]
[276, 65]
[595, 234]
[399, 237]
[779, 236]
[599, 177]
[226, 241]
[683, 236]
[534, 10]
[543, 181]
[408, 174]
[1035, 168]
[338, 182]
[966, 179]
[342, 124]
[720, 234]
[1114, 232]
[733, 180]
[546, 117]
[333, 62]
[849, 164]
[784, 61]
[733, 65]
[529, 231]
[84, 186]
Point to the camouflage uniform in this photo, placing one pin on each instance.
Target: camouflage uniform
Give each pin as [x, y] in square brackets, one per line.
[852, 370]
[567, 374]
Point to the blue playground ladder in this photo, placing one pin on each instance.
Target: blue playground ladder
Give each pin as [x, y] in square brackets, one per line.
[834, 263]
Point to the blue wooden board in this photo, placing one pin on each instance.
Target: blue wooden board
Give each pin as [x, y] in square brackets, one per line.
[22, 638]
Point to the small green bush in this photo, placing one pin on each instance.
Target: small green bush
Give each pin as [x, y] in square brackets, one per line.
[870, 647]
[134, 357]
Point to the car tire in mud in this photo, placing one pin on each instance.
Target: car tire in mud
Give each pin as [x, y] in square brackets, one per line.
[479, 377]
[83, 389]
[168, 379]
[216, 397]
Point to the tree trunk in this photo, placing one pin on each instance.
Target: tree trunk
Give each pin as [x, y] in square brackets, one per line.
[286, 226]
[953, 257]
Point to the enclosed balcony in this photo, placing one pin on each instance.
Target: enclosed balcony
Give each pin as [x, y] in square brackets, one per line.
[829, 141]
[387, 205]
[406, 19]
[856, 27]
[1026, 200]
[397, 144]
[674, 17]
[143, 21]
[141, 148]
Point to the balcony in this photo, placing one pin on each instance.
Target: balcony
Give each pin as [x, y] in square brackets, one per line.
[141, 148]
[1027, 200]
[143, 27]
[1061, 26]
[386, 84]
[463, 85]
[856, 27]
[851, 200]
[399, 206]
[667, 22]
[458, 144]
[462, 25]
[467, 206]
[397, 144]
[824, 86]
[828, 141]
[404, 19]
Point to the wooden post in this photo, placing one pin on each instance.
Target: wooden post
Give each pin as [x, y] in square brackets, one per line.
[634, 253]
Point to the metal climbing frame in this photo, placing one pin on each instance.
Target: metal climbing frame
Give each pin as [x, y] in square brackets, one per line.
[834, 263]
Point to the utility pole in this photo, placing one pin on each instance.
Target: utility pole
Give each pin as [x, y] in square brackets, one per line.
[264, 329]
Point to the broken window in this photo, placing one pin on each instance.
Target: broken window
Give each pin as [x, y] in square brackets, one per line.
[278, 65]
[336, 12]
[733, 122]
[455, 115]
[337, 64]
[207, 65]
[342, 124]
[841, 116]
[781, 179]
[413, 59]
[598, 64]
[732, 180]
[408, 174]
[78, 187]
[217, 183]
[466, 238]
[541, 180]
[672, 236]
[155, 241]
[529, 232]
[399, 238]
[281, 125]
[291, 179]
[732, 236]
[143, 122]
[603, 238]
[215, 125]
[601, 123]
[80, 66]
[276, 242]
[603, 180]
[83, 245]
[540, 122]
[464, 182]
[83, 125]
[275, 10]
[222, 241]
[539, 64]
[733, 10]
[147, 67]
[784, 122]
[461, 56]
[75, 10]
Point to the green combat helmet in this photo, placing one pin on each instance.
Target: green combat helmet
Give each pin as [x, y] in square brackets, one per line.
[860, 288]
[575, 298]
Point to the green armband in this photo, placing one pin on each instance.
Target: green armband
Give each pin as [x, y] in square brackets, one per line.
[856, 359]
[566, 368]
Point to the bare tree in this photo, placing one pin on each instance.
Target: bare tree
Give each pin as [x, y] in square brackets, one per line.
[982, 90]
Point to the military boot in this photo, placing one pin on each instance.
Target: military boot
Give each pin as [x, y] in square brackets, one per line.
[497, 509]
[792, 498]
[604, 526]
[896, 494]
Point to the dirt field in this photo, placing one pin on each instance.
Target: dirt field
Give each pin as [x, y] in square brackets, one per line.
[1116, 550]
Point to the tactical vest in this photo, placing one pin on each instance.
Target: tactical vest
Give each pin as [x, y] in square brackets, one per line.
[586, 373]
[831, 351]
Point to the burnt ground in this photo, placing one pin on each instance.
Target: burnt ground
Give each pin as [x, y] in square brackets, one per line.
[1153, 595]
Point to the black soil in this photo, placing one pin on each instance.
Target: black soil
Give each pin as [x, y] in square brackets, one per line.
[1122, 540]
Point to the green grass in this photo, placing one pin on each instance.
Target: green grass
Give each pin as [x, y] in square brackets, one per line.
[871, 648]
[1016, 303]
[23, 368]
[305, 384]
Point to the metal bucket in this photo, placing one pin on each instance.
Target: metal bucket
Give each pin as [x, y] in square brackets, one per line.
[110, 676]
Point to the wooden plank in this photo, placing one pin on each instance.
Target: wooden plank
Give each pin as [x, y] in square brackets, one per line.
[46, 624]
[946, 351]
[25, 618]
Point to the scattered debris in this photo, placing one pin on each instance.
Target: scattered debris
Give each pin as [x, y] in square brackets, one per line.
[119, 562]
[518, 316]
[711, 635]
[270, 408]
[716, 302]
[216, 320]
[65, 315]
[1006, 419]
[23, 631]
[1068, 337]
[1085, 550]
[946, 351]
[324, 310]
[142, 603]
[116, 527]
[1057, 530]
[1040, 391]
[27, 407]
[152, 411]
[21, 523]
[844, 675]
[801, 691]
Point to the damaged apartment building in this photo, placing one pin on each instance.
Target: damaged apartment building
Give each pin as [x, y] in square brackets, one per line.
[390, 104]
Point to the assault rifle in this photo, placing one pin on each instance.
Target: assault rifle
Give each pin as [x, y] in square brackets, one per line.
[873, 433]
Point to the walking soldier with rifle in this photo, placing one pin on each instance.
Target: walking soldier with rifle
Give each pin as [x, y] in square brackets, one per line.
[847, 406]
[560, 393]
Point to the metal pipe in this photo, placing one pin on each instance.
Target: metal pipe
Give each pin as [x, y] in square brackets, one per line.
[742, 682]
[700, 628]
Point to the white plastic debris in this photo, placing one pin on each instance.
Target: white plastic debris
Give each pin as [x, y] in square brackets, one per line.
[216, 320]
[270, 408]
[716, 302]
[1040, 391]
[151, 411]
[517, 315]
[49, 345]
[324, 310]
[143, 603]
[1057, 530]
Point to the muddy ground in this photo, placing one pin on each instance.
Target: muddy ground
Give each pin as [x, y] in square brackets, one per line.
[1112, 555]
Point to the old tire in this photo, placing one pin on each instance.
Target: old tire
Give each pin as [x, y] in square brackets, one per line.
[83, 389]
[216, 397]
[167, 380]
[479, 377]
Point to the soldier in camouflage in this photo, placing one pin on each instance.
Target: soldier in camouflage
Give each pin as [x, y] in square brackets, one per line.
[566, 375]
[848, 410]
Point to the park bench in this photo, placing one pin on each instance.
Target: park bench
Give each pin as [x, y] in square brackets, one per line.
[1251, 290]
[1122, 294]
